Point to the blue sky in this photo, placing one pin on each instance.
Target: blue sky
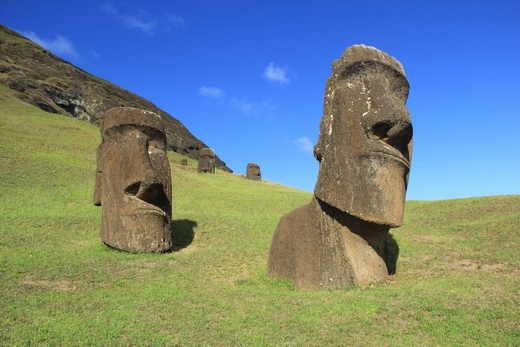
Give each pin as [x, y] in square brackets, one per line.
[247, 77]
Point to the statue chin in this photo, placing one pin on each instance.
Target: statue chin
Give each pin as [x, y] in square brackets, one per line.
[149, 228]
[374, 190]
[385, 180]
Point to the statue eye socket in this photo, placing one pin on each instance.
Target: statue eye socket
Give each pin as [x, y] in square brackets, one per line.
[155, 144]
[133, 189]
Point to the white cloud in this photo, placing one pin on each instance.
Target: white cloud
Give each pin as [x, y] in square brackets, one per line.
[108, 8]
[141, 19]
[132, 22]
[60, 45]
[95, 54]
[305, 144]
[276, 74]
[211, 92]
[243, 105]
[175, 19]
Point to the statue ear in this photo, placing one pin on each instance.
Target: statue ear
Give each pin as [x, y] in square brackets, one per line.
[98, 179]
[317, 152]
[97, 190]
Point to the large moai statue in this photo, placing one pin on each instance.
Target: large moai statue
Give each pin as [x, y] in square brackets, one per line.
[364, 150]
[206, 161]
[133, 182]
[253, 172]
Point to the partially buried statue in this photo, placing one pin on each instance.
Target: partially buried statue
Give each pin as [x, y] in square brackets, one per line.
[206, 161]
[253, 172]
[133, 182]
[364, 149]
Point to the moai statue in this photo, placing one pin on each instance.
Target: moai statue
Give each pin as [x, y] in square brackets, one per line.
[206, 161]
[364, 150]
[253, 172]
[133, 182]
[184, 162]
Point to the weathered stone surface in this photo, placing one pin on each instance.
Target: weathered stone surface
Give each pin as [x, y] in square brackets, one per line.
[316, 246]
[206, 161]
[133, 182]
[365, 116]
[364, 150]
[253, 172]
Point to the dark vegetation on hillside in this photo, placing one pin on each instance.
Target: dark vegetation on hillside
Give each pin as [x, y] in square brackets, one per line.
[54, 85]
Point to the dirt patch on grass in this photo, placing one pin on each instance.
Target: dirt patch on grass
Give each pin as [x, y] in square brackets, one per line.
[60, 286]
[477, 265]
[189, 249]
[431, 239]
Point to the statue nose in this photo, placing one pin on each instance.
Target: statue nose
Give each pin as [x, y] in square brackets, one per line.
[400, 134]
[397, 134]
[391, 132]
[146, 184]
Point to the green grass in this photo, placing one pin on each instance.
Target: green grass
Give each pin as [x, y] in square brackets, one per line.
[457, 280]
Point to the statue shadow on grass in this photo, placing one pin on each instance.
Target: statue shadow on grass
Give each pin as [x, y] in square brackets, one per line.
[392, 253]
[182, 233]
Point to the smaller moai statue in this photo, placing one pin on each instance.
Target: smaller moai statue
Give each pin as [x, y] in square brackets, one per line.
[253, 172]
[206, 161]
[133, 182]
[184, 162]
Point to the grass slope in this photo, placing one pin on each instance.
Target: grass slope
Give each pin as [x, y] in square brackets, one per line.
[457, 281]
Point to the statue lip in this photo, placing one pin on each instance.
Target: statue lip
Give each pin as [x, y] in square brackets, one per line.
[154, 210]
[393, 154]
[138, 206]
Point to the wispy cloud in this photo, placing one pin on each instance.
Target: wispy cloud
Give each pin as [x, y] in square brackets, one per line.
[108, 8]
[211, 92]
[243, 105]
[95, 54]
[175, 19]
[141, 19]
[60, 45]
[304, 144]
[132, 22]
[276, 73]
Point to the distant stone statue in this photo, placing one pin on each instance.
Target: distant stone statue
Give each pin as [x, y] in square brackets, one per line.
[253, 172]
[184, 162]
[133, 181]
[364, 150]
[206, 161]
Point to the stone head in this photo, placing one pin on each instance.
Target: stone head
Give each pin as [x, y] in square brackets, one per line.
[206, 160]
[365, 142]
[253, 172]
[133, 181]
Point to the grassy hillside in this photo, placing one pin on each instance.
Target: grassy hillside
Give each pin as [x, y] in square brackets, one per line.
[457, 281]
